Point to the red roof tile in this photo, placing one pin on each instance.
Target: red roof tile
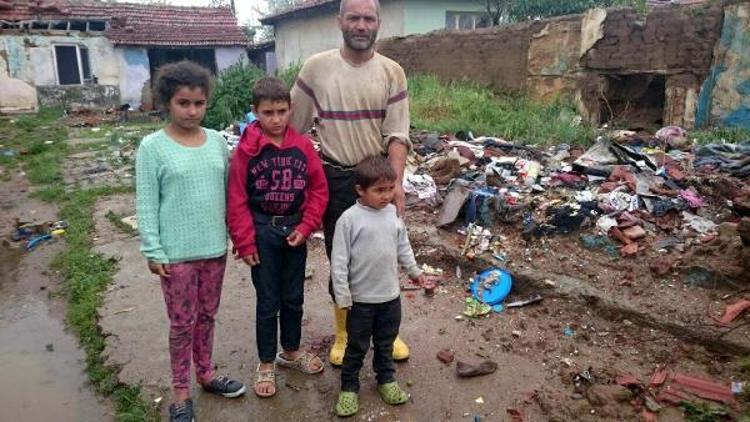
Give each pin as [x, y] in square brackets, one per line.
[300, 9]
[141, 24]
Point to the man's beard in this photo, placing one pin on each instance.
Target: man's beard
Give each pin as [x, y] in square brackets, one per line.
[358, 44]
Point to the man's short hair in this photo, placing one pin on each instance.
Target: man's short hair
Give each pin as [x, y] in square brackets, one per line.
[270, 89]
[342, 6]
[373, 169]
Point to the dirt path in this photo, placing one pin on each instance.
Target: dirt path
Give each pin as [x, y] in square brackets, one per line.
[42, 366]
[537, 361]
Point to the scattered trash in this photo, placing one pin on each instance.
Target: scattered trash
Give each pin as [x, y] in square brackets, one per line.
[130, 221]
[479, 400]
[475, 308]
[535, 298]
[491, 286]
[568, 332]
[467, 370]
[122, 311]
[446, 356]
[734, 310]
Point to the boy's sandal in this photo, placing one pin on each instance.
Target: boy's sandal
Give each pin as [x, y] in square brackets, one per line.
[348, 404]
[267, 376]
[304, 363]
[392, 394]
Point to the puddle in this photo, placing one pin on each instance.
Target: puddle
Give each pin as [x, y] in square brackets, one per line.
[42, 367]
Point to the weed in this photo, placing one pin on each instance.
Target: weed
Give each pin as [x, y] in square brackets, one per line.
[721, 135]
[289, 74]
[701, 412]
[465, 105]
[86, 276]
[116, 221]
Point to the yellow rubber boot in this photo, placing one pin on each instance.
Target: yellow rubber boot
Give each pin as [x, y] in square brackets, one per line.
[400, 350]
[336, 357]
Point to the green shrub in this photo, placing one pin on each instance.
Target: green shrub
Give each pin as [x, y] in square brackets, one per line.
[231, 97]
[289, 74]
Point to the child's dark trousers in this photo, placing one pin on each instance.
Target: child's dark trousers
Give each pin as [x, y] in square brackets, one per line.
[379, 322]
[279, 282]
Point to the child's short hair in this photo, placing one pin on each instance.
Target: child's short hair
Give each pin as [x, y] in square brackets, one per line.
[270, 89]
[373, 169]
[172, 76]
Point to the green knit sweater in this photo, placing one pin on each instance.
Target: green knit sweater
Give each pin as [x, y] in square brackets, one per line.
[181, 198]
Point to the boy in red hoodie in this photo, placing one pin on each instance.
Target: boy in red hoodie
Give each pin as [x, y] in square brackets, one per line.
[276, 197]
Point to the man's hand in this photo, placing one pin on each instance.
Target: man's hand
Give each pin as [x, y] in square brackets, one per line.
[295, 239]
[399, 199]
[252, 260]
[162, 270]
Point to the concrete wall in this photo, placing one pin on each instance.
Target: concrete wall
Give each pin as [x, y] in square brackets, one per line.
[725, 95]
[134, 67]
[423, 16]
[17, 95]
[300, 38]
[578, 55]
[30, 58]
[86, 96]
[227, 56]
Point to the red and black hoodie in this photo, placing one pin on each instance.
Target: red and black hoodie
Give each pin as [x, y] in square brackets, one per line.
[273, 180]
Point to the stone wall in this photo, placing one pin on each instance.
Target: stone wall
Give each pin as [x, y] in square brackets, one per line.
[86, 96]
[589, 56]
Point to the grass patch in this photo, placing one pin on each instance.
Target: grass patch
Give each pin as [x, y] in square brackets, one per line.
[464, 105]
[702, 412]
[38, 144]
[87, 275]
[731, 135]
[116, 221]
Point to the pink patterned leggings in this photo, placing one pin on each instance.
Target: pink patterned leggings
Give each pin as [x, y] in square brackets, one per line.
[192, 294]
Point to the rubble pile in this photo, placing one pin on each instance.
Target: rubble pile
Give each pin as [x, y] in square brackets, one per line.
[624, 194]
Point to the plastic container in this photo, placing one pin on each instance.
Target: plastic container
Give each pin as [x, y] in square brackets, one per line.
[492, 286]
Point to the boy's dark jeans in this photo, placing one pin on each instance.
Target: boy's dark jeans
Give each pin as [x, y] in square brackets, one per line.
[379, 321]
[279, 285]
[341, 196]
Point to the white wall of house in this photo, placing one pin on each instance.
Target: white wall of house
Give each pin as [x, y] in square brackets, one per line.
[31, 57]
[227, 56]
[134, 68]
[299, 38]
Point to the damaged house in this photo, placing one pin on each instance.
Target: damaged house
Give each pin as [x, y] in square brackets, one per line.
[104, 54]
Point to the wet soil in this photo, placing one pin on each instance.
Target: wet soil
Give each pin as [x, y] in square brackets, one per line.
[42, 366]
[537, 359]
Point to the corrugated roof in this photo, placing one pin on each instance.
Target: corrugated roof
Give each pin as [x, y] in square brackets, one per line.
[140, 24]
[300, 9]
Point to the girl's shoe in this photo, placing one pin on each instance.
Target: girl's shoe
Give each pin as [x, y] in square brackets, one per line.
[225, 387]
[304, 363]
[392, 394]
[348, 404]
[265, 376]
[181, 412]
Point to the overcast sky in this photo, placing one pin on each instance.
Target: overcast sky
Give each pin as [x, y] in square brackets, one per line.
[246, 9]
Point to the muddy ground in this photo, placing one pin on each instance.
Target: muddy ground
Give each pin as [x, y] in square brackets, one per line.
[614, 316]
[42, 366]
[537, 361]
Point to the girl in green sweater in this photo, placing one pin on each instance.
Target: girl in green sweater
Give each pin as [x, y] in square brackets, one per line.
[181, 174]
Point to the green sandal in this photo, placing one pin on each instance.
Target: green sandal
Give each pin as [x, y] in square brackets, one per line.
[392, 394]
[348, 404]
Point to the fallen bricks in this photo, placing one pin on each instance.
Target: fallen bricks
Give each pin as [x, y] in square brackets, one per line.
[575, 289]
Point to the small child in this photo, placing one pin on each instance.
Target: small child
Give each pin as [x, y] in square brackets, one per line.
[277, 196]
[181, 175]
[369, 243]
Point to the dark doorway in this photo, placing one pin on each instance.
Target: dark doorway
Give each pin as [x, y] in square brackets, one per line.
[205, 57]
[68, 72]
[633, 101]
